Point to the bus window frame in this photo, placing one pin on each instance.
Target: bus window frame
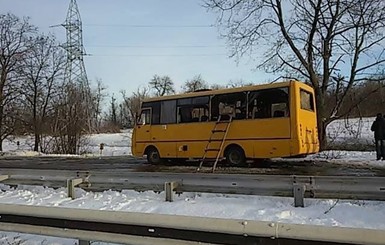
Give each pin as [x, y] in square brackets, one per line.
[164, 103]
[192, 106]
[311, 100]
[139, 123]
[287, 111]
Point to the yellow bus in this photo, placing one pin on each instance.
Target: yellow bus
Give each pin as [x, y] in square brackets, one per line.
[235, 124]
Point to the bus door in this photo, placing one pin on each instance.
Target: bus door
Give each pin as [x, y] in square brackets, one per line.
[143, 127]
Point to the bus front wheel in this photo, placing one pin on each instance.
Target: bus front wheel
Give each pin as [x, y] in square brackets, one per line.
[153, 156]
[235, 155]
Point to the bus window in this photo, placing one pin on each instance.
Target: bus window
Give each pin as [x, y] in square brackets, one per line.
[306, 100]
[145, 117]
[155, 108]
[269, 103]
[200, 113]
[279, 110]
[221, 104]
[194, 109]
[155, 113]
[168, 112]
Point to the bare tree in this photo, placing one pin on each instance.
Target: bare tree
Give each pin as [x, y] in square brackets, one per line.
[14, 34]
[162, 85]
[238, 83]
[196, 83]
[131, 104]
[42, 72]
[113, 111]
[331, 44]
[98, 96]
[217, 86]
[70, 120]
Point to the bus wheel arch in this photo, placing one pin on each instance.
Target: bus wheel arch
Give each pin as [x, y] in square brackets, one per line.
[153, 156]
[235, 155]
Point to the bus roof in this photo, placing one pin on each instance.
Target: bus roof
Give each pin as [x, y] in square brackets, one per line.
[224, 91]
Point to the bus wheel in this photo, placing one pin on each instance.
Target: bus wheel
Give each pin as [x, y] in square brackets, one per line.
[153, 156]
[235, 155]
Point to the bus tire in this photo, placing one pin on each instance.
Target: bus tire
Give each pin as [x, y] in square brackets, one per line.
[235, 155]
[153, 156]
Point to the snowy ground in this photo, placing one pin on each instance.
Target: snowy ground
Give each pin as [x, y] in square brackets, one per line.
[117, 144]
[362, 214]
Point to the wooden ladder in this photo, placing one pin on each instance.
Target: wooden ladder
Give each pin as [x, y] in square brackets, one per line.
[218, 133]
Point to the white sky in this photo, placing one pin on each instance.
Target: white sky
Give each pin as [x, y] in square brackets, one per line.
[108, 30]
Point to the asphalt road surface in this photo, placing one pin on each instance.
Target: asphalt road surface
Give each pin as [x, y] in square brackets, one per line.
[125, 163]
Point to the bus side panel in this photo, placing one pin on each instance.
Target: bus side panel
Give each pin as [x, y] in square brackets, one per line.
[163, 139]
[272, 148]
[141, 136]
[261, 129]
[138, 150]
[263, 148]
[306, 139]
[186, 140]
[260, 138]
[192, 149]
[192, 139]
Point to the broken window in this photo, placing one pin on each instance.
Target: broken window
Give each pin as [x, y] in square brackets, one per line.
[155, 108]
[145, 116]
[268, 103]
[233, 104]
[194, 109]
[306, 100]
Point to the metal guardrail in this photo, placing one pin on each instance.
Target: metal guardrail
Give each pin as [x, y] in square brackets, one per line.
[336, 187]
[145, 228]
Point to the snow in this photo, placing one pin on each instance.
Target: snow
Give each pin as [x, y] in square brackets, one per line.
[117, 144]
[362, 214]
[351, 131]
[345, 213]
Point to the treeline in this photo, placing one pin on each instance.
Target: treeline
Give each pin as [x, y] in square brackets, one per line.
[365, 99]
[122, 114]
[35, 96]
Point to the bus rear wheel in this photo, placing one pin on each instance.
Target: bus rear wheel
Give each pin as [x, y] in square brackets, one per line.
[235, 156]
[153, 156]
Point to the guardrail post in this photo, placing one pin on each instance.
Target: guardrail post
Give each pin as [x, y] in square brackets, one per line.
[299, 192]
[83, 242]
[71, 183]
[169, 190]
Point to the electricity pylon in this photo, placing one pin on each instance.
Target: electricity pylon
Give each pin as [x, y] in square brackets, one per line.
[78, 115]
[75, 70]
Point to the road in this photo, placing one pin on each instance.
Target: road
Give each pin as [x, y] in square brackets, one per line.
[125, 163]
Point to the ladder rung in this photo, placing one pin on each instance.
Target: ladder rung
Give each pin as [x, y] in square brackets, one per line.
[219, 130]
[222, 122]
[218, 140]
[212, 149]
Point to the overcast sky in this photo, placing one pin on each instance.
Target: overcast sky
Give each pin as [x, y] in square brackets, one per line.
[129, 40]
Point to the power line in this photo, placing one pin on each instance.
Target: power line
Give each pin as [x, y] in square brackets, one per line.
[155, 46]
[149, 26]
[156, 55]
